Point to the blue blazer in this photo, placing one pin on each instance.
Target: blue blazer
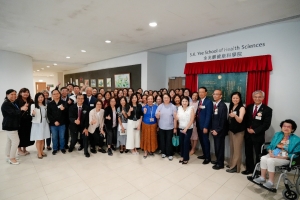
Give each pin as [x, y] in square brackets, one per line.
[294, 145]
[204, 118]
[91, 104]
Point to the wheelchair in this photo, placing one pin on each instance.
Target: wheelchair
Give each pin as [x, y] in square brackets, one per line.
[292, 187]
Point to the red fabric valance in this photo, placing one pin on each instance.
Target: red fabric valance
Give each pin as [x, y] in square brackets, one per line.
[258, 68]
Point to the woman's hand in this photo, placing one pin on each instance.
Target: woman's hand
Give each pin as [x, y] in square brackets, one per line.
[184, 131]
[108, 117]
[271, 154]
[33, 113]
[175, 130]
[232, 114]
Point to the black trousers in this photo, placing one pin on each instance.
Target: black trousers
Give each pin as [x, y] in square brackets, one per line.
[219, 143]
[249, 145]
[166, 141]
[96, 139]
[67, 134]
[185, 141]
[74, 138]
[111, 135]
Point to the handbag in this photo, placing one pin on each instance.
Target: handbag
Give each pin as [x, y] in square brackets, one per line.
[175, 140]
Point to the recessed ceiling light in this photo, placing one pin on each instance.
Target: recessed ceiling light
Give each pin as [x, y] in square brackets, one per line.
[83, 51]
[48, 66]
[54, 64]
[107, 41]
[38, 70]
[68, 57]
[40, 80]
[153, 24]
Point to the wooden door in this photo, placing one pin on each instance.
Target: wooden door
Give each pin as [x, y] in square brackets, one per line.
[176, 82]
[40, 86]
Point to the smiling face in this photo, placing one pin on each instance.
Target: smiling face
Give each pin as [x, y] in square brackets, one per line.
[195, 97]
[258, 98]
[150, 100]
[202, 93]
[287, 128]
[12, 96]
[235, 99]
[184, 103]
[217, 95]
[40, 99]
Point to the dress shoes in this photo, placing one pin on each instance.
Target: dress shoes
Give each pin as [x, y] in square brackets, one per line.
[70, 150]
[201, 157]
[93, 151]
[87, 155]
[217, 167]
[101, 150]
[233, 170]
[247, 172]
[213, 162]
[54, 152]
[206, 161]
[63, 151]
[80, 148]
[109, 152]
[66, 147]
[113, 148]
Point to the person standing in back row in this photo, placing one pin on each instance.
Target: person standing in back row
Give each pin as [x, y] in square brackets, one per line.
[258, 119]
[219, 129]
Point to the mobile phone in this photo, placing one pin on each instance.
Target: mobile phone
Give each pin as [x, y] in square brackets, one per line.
[135, 129]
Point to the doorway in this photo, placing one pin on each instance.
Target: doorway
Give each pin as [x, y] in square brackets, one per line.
[176, 82]
[40, 86]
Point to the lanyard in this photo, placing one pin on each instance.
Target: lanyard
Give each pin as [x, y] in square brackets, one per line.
[151, 110]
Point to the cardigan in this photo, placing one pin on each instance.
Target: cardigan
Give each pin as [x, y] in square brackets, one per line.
[294, 143]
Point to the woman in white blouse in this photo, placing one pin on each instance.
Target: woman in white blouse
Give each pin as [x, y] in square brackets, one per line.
[40, 127]
[185, 117]
[96, 126]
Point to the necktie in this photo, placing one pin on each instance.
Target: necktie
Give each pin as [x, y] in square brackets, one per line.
[79, 113]
[215, 106]
[199, 108]
[255, 112]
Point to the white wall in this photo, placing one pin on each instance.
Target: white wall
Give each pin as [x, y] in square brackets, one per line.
[175, 66]
[16, 73]
[156, 71]
[138, 58]
[49, 80]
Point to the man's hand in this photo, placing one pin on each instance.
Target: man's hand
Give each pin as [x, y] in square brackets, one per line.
[56, 123]
[250, 130]
[86, 132]
[108, 117]
[62, 107]
[77, 121]
[214, 132]
[205, 131]
[175, 130]
[69, 101]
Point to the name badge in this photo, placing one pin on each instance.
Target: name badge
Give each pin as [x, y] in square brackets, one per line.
[91, 104]
[151, 119]
[202, 107]
[234, 112]
[258, 118]
[59, 106]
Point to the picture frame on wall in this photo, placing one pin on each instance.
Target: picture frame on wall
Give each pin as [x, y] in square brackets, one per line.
[81, 84]
[93, 82]
[76, 81]
[100, 83]
[87, 82]
[108, 82]
[122, 80]
[71, 80]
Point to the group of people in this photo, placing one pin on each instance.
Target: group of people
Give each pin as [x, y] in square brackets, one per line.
[145, 120]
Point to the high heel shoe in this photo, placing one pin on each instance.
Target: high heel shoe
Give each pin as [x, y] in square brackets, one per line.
[185, 162]
[13, 163]
[180, 161]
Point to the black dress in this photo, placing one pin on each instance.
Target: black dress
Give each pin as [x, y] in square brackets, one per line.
[25, 125]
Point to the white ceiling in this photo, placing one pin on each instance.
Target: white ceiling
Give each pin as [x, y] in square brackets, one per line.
[48, 31]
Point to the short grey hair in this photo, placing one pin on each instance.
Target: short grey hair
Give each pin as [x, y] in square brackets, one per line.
[258, 91]
[86, 89]
[43, 91]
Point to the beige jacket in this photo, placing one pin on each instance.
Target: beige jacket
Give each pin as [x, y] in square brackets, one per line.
[99, 120]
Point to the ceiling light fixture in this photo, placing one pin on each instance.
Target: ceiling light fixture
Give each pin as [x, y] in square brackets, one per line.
[48, 66]
[42, 68]
[54, 64]
[68, 57]
[83, 51]
[40, 80]
[108, 41]
[38, 70]
[153, 24]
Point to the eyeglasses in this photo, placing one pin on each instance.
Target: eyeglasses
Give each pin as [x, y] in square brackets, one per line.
[287, 126]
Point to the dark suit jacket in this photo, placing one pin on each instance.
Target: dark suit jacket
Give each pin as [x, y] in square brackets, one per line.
[219, 121]
[109, 123]
[67, 109]
[73, 115]
[204, 119]
[259, 126]
[91, 104]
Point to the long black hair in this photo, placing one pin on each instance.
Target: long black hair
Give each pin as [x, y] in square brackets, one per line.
[36, 102]
[232, 104]
[131, 97]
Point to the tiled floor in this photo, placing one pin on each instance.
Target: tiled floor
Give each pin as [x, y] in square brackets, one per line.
[122, 176]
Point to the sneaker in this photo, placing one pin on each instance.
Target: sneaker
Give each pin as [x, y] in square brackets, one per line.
[170, 158]
[163, 155]
[259, 180]
[268, 184]
[109, 152]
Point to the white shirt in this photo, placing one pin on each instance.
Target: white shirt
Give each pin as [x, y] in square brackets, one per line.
[257, 107]
[184, 117]
[217, 103]
[202, 100]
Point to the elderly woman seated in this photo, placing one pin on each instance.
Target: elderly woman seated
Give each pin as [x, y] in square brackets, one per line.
[283, 145]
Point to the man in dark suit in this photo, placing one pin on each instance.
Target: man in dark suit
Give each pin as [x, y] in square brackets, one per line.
[203, 123]
[90, 101]
[219, 129]
[64, 97]
[79, 123]
[258, 120]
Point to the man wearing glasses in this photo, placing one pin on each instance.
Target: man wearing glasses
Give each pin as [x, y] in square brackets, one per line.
[258, 119]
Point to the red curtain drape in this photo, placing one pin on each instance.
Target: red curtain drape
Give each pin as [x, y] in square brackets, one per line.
[258, 68]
